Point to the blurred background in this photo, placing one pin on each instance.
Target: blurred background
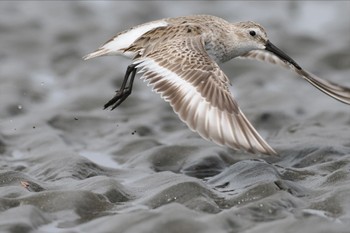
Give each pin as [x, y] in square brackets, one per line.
[83, 162]
[43, 42]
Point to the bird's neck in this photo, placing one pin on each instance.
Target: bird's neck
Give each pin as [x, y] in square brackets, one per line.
[223, 46]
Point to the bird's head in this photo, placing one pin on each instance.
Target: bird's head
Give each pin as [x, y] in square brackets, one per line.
[252, 36]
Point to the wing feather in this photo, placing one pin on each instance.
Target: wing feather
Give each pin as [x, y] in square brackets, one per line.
[197, 90]
[334, 90]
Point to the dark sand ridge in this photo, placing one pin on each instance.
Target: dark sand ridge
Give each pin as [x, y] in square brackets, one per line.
[139, 169]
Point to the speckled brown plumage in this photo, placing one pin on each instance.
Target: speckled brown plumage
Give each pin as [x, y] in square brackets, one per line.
[179, 58]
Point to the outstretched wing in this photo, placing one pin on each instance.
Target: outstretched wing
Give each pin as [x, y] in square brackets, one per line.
[334, 90]
[181, 71]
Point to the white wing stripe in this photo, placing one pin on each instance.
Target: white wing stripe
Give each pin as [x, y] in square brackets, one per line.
[149, 65]
[210, 122]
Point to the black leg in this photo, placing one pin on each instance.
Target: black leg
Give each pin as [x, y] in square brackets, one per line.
[125, 90]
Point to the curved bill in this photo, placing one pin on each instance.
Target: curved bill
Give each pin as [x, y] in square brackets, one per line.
[279, 53]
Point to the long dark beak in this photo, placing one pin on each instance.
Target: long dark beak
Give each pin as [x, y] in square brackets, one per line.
[279, 53]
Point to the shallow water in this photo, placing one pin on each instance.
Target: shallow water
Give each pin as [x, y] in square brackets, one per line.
[69, 166]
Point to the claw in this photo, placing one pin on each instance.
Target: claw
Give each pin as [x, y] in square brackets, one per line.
[124, 90]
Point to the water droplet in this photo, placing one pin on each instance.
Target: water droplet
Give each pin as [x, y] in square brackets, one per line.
[19, 106]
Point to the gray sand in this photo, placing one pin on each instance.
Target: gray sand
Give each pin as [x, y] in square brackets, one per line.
[69, 166]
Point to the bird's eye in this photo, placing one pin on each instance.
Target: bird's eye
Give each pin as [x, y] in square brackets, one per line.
[252, 33]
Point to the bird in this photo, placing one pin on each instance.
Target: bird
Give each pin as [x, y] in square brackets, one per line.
[179, 58]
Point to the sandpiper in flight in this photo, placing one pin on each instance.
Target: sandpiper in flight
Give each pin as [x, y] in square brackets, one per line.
[179, 58]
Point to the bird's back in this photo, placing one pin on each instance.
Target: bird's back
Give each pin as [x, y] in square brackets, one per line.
[152, 33]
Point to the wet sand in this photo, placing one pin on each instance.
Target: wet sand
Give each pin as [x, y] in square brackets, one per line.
[67, 165]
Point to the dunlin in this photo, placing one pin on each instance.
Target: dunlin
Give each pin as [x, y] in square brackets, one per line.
[179, 58]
